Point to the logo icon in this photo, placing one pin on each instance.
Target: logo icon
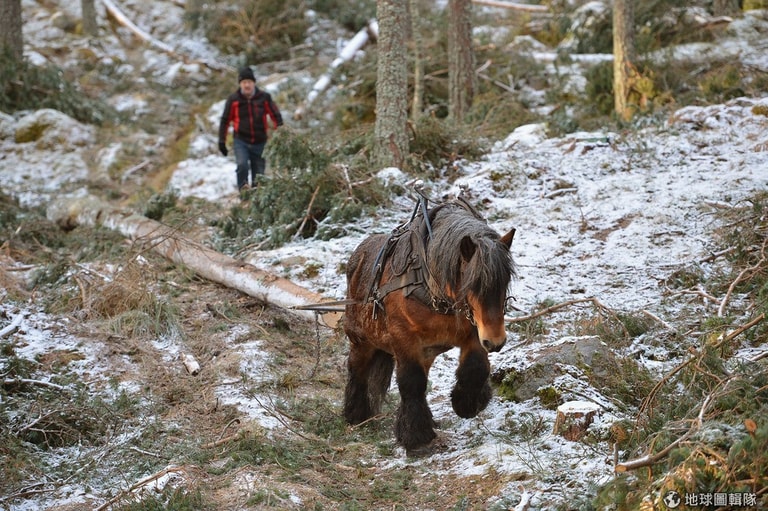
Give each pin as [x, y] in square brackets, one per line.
[672, 499]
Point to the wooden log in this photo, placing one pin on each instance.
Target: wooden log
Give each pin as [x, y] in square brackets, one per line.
[370, 31]
[573, 419]
[512, 5]
[206, 262]
[121, 18]
[191, 364]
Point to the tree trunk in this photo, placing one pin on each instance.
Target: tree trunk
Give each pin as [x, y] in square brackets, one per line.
[11, 38]
[390, 131]
[204, 261]
[725, 7]
[574, 418]
[193, 12]
[90, 26]
[623, 55]
[461, 60]
[417, 104]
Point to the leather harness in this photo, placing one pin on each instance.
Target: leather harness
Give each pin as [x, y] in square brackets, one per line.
[413, 277]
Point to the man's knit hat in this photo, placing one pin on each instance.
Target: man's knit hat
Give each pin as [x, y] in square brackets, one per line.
[246, 74]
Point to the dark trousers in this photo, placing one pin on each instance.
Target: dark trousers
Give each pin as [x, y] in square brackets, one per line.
[249, 161]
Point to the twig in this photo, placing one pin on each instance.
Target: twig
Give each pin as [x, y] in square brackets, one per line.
[560, 191]
[745, 271]
[225, 440]
[549, 310]
[146, 453]
[133, 169]
[657, 319]
[593, 300]
[496, 82]
[308, 215]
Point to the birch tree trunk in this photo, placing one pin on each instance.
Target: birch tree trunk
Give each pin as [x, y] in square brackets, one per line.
[461, 60]
[11, 38]
[206, 262]
[390, 133]
[623, 56]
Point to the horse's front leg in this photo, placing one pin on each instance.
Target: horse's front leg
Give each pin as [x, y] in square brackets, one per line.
[414, 426]
[472, 391]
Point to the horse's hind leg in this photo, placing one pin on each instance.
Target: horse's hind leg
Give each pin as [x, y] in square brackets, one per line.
[369, 377]
[472, 392]
[414, 426]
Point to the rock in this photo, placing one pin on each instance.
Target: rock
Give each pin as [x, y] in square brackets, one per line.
[51, 129]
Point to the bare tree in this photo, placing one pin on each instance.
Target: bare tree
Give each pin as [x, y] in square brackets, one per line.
[11, 38]
[623, 56]
[90, 26]
[725, 7]
[390, 135]
[461, 59]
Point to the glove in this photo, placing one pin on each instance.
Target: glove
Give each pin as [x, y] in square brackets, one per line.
[223, 148]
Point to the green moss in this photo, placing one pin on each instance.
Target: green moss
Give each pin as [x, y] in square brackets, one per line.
[550, 397]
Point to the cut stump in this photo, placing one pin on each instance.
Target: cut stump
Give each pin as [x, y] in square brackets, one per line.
[573, 419]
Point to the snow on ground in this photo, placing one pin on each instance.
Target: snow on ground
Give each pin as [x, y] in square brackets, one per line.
[597, 214]
[603, 215]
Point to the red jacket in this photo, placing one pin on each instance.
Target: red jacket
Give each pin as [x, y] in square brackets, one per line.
[249, 116]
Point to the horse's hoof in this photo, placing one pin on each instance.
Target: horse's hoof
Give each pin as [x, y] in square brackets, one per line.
[438, 445]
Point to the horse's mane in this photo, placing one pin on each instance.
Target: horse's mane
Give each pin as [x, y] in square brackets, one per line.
[486, 274]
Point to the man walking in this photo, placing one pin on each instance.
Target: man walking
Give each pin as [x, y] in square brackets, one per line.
[248, 111]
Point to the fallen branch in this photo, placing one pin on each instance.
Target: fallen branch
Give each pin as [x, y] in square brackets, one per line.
[221, 441]
[658, 319]
[27, 381]
[554, 308]
[114, 11]
[370, 31]
[147, 480]
[308, 215]
[13, 327]
[121, 18]
[549, 310]
[727, 338]
[513, 6]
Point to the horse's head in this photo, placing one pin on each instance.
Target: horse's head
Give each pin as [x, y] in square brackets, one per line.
[488, 268]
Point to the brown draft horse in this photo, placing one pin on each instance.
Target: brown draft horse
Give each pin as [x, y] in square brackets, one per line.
[437, 282]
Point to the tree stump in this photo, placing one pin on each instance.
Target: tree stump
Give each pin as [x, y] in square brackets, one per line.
[573, 419]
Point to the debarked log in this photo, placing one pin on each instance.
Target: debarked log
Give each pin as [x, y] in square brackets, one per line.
[206, 262]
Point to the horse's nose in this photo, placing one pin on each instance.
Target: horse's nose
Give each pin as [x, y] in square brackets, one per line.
[491, 346]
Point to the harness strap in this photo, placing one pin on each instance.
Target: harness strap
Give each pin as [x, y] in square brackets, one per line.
[416, 280]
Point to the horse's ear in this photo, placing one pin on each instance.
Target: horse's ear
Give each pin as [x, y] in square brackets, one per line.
[467, 248]
[507, 238]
